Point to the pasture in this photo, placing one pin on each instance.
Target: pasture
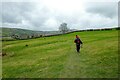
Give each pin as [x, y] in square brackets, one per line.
[56, 57]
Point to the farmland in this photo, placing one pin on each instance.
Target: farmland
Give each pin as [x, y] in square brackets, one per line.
[56, 57]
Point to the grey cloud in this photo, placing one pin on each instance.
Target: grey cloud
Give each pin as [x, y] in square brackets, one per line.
[29, 15]
[17, 12]
[37, 18]
[12, 11]
[0, 12]
[107, 9]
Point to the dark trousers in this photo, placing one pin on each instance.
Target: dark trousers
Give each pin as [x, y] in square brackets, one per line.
[78, 48]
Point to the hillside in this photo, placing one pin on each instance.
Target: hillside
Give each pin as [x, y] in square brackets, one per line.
[7, 32]
[56, 57]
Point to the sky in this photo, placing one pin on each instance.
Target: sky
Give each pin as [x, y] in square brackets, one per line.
[47, 15]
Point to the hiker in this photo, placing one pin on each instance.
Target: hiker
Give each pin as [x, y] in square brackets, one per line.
[78, 43]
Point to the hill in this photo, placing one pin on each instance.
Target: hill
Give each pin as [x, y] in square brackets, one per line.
[56, 57]
[7, 32]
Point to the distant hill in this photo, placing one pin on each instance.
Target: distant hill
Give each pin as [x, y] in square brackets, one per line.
[6, 32]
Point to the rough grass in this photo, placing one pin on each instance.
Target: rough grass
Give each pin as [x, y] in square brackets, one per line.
[0, 59]
[55, 57]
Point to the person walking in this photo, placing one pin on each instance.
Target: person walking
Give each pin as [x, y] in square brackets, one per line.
[78, 43]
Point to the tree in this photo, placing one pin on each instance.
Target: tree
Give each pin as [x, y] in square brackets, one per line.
[63, 28]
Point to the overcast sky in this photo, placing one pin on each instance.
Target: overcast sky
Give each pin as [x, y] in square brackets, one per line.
[47, 15]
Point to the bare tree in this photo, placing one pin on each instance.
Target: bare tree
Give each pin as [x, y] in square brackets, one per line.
[63, 28]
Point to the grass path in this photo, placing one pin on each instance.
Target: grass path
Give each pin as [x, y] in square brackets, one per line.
[72, 68]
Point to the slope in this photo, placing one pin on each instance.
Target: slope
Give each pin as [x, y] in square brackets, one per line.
[55, 57]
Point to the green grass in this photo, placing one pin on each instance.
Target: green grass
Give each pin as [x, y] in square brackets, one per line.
[56, 57]
[0, 60]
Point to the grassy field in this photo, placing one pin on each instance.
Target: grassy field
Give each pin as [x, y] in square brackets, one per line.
[56, 57]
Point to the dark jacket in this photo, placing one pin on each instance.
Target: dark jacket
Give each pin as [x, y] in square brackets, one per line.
[78, 41]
